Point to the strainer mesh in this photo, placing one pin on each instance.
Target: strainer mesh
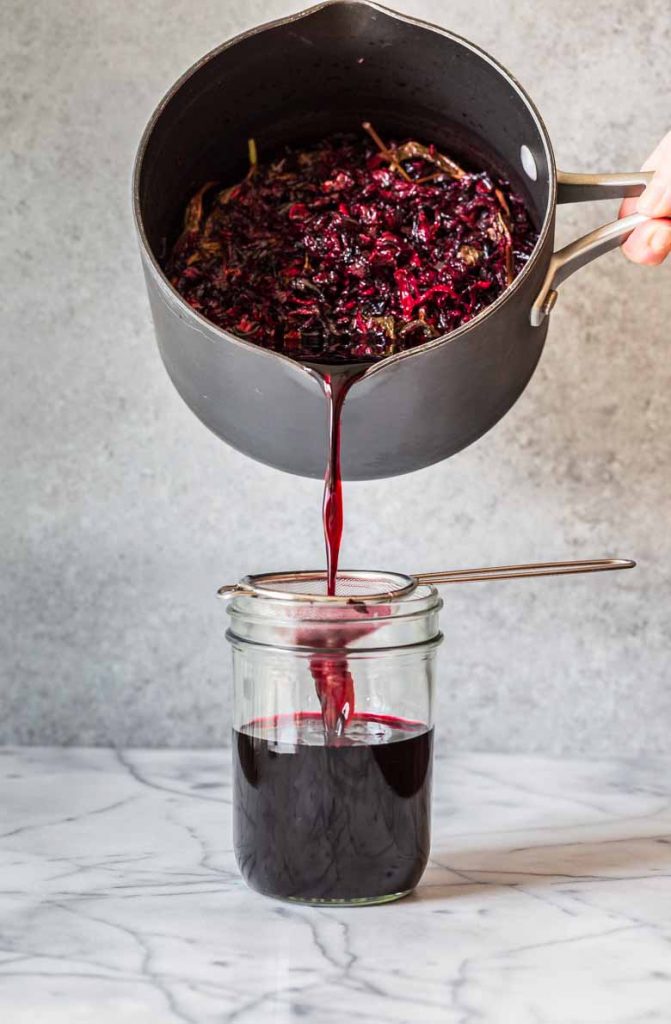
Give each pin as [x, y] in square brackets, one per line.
[349, 583]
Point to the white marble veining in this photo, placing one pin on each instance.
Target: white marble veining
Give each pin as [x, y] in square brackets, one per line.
[547, 901]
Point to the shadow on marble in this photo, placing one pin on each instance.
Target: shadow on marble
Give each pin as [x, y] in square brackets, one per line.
[613, 859]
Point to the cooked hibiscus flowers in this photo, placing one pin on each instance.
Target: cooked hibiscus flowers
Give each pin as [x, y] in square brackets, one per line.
[351, 249]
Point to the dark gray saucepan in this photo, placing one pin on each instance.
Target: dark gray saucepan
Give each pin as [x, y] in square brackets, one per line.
[326, 69]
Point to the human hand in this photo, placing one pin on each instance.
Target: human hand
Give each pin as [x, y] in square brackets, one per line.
[650, 243]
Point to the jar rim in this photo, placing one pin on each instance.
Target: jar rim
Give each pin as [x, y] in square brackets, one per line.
[422, 599]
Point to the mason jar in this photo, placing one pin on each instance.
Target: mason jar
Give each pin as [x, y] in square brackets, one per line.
[332, 742]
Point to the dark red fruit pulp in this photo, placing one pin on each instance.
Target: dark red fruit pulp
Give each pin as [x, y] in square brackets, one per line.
[341, 821]
[350, 249]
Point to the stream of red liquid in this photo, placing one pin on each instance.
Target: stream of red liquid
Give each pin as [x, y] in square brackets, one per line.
[336, 389]
[331, 674]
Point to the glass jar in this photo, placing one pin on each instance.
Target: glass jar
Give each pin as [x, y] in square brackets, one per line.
[332, 744]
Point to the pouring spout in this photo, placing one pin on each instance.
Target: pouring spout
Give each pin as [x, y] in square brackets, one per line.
[510, 572]
[346, 373]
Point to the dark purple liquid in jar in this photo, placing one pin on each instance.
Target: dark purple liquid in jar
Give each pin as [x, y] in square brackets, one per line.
[343, 821]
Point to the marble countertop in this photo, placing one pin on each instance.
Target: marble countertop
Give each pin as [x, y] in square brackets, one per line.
[547, 901]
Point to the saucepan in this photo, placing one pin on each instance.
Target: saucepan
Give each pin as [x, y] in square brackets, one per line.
[330, 68]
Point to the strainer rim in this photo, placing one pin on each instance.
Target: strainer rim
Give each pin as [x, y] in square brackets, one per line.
[249, 586]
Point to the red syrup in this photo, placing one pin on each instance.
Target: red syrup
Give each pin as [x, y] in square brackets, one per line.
[333, 679]
[345, 820]
[335, 388]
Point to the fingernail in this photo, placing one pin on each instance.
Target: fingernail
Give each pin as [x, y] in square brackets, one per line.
[659, 240]
[650, 201]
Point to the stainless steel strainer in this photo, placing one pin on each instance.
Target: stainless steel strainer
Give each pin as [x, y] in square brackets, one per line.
[374, 586]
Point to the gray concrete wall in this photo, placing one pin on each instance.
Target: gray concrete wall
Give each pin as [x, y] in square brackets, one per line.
[120, 514]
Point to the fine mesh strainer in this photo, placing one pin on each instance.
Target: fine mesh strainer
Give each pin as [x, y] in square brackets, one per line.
[380, 586]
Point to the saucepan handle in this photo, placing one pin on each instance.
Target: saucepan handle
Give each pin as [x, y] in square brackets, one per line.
[581, 188]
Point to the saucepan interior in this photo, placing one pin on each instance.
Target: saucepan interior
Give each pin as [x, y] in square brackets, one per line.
[325, 71]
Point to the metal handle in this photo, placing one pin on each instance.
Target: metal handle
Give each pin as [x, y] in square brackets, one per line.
[580, 188]
[509, 572]
[583, 188]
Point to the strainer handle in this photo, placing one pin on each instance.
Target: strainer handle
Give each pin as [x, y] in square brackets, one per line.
[510, 572]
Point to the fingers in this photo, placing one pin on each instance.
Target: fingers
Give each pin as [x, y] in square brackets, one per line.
[650, 244]
[628, 206]
[656, 200]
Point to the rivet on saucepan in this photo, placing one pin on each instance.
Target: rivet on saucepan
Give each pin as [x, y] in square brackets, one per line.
[528, 163]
